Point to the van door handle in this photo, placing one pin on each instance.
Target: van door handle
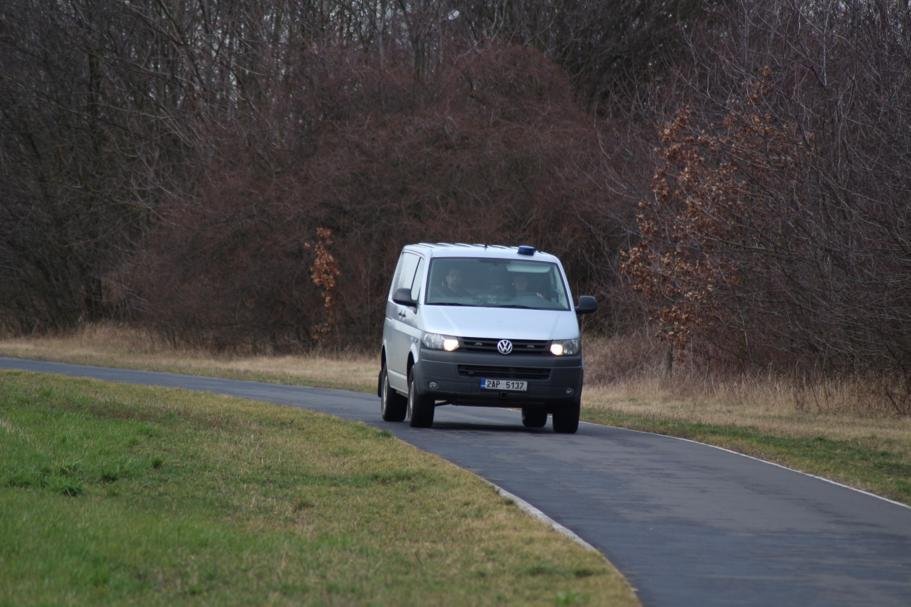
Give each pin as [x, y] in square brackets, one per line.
[401, 313]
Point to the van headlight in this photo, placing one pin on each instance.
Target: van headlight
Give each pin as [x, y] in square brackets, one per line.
[564, 347]
[435, 341]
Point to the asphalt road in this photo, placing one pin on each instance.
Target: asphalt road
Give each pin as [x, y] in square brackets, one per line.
[686, 523]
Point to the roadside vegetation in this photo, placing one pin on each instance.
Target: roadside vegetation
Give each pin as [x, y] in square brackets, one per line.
[837, 429]
[121, 494]
[732, 177]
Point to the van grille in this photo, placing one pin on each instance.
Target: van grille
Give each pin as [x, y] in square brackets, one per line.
[504, 372]
[519, 346]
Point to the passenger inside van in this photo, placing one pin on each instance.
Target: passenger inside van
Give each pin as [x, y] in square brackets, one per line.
[522, 288]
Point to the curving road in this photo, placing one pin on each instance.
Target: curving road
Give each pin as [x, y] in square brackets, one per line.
[686, 523]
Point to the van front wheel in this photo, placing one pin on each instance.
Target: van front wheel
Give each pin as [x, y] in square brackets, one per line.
[420, 408]
[392, 404]
[566, 418]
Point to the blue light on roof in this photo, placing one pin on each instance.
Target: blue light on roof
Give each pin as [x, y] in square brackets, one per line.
[526, 249]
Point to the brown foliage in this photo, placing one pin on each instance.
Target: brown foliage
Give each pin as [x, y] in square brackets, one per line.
[324, 273]
[714, 218]
[493, 149]
[777, 231]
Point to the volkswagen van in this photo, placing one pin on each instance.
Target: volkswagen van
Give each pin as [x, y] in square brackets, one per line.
[481, 325]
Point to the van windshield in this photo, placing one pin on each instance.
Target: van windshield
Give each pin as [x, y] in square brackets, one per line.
[495, 283]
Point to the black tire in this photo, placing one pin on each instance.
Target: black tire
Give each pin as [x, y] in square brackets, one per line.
[393, 405]
[420, 408]
[534, 417]
[566, 418]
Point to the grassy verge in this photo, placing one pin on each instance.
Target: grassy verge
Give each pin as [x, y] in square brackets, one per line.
[825, 429]
[122, 494]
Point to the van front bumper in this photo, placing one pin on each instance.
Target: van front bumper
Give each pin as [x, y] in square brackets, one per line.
[456, 378]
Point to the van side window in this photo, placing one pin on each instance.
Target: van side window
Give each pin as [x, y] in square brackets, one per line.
[404, 276]
[418, 280]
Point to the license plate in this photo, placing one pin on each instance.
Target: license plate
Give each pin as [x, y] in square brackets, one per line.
[504, 384]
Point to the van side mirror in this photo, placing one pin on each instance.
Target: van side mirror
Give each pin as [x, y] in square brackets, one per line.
[403, 296]
[587, 304]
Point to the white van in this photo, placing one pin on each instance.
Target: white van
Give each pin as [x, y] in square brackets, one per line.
[482, 325]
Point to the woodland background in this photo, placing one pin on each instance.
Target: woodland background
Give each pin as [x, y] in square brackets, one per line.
[732, 177]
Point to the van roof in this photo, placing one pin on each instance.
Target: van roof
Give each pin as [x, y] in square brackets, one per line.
[460, 249]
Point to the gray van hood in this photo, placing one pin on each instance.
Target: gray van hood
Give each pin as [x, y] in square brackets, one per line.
[511, 323]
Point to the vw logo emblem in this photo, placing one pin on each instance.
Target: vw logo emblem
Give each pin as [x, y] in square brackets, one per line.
[504, 347]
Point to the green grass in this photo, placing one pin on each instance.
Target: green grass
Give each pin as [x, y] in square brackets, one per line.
[875, 464]
[122, 494]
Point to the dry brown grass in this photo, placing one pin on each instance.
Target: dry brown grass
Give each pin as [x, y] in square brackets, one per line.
[767, 405]
[627, 375]
[117, 345]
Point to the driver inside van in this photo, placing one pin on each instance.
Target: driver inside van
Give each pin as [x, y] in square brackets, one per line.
[453, 284]
[522, 289]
